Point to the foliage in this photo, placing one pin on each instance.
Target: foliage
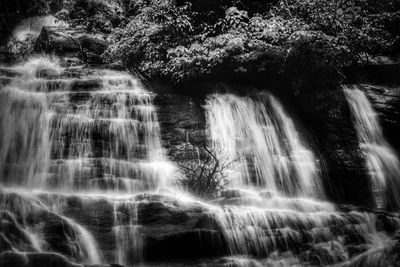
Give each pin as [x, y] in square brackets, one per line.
[189, 40]
[181, 40]
[361, 25]
[203, 176]
[21, 50]
[12, 11]
[96, 15]
[142, 43]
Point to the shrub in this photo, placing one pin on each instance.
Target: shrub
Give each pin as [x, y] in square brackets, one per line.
[21, 50]
[143, 43]
[203, 175]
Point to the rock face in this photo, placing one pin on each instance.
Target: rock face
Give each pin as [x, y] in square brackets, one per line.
[386, 101]
[323, 114]
[182, 121]
[72, 41]
[326, 115]
[24, 217]
[380, 80]
[174, 229]
[35, 259]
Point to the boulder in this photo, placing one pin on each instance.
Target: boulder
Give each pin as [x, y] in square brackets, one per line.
[72, 41]
[21, 212]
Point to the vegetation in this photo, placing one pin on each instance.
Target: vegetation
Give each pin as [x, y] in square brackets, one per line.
[203, 175]
[191, 40]
[13, 11]
[183, 40]
[21, 50]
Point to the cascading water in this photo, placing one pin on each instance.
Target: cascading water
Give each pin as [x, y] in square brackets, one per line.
[83, 176]
[269, 151]
[98, 131]
[279, 211]
[89, 132]
[382, 161]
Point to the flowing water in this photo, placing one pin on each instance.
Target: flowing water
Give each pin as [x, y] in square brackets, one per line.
[84, 174]
[381, 159]
[281, 208]
[268, 150]
[82, 132]
[98, 131]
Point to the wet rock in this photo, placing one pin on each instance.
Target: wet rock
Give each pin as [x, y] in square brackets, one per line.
[13, 234]
[96, 212]
[7, 75]
[385, 255]
[187, 244]
[15, 259]
[181, 121]
[10, 73]
[385, 99]
[233, 193]
[325, 254]
[267, 194]
[326, 115]
[86, 85]
[56, 232]
[5, 244]
[159, 213]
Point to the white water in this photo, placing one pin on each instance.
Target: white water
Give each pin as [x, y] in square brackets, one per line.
[27, 207]
[82, 133]
[127, 233]
[268, 149]
[57, 133]
[382, 161]
[279, 210]
[87, 241]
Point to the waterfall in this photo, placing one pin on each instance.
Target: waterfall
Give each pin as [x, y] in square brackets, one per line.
[127, 232]
[382, 161]
[26, 213]
[84, 177]
[75, 131]
[81, 132]
[280, 210]
[268, 149]
[89, 245]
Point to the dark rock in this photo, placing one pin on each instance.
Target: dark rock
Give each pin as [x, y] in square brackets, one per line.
[75, 41]
[380, 70]
[12, 234]
[86, 85]
[58, 233]
[9, 73]
[159, 213]
[182, 121]
[385, 100]
[385, 255]
[188, 244]
[15, 259]
[233, 193]
[326, 116]
[5, 244]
